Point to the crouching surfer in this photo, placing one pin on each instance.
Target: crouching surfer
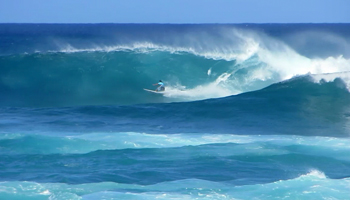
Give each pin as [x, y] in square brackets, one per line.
[160, 86]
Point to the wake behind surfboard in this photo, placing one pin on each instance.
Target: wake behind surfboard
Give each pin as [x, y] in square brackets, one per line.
[153, 91]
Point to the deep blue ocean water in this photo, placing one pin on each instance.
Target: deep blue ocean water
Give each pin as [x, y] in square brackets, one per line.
[250, 111]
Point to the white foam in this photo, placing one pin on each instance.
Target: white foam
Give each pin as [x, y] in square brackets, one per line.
[273, 61]
[314, 173]
[217, 88]
[288, 63]
[336, 148]
[345, 76]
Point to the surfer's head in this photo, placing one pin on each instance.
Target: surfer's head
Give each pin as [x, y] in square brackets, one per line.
[160, 80]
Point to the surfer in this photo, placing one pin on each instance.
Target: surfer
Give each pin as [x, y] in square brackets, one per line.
[160, 86]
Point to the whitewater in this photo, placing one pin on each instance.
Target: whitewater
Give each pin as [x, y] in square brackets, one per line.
[250, 111]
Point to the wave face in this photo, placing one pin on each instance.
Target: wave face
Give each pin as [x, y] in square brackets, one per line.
[74, 65]
[250, 111]
[314, 109]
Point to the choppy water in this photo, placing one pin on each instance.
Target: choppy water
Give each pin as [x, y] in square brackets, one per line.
[250, 111]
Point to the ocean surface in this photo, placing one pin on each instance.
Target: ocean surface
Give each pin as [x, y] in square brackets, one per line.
[250, 111]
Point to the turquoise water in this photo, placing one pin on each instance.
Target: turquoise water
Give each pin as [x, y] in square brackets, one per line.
[250, 111]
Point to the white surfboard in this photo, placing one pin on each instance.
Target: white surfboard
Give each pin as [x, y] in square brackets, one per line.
[153, 91]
